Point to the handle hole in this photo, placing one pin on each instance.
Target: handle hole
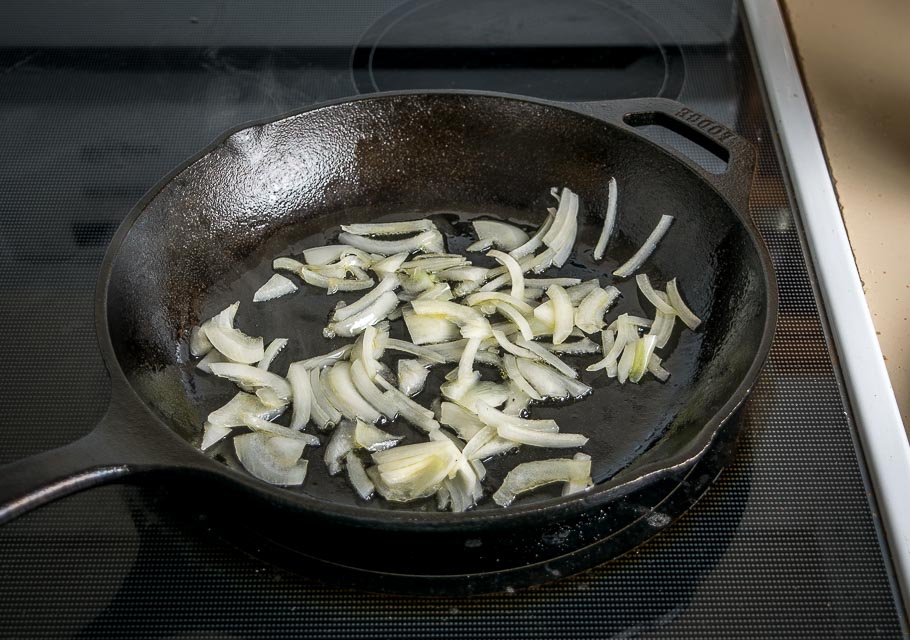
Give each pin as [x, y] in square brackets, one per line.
[692, 143]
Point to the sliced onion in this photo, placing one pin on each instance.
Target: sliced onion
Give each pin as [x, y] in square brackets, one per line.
[435, 263]
[389, 228]
[543, 283]
[518, 401]
[371, 438]
[440, 291]
[480, 245]
[514, 316]
[546, 314]
[355, 324]
[579, 291]
[626, 361]
[517, 378]
[212, 434]
[235, 345]
[580, 479]
[463, 422]
[430, 241]
[511, 347]
[264, 426]
[388, 283]
[531, 475]
[534, 438]
[358, 476]
[505, 236]
[561, 235]
[429, 329]
[550, 383]
[318, 362]
[344, 395]
[654, 366]
[564, 314]
[333, 284]
[417, 470]
[684, 312]
[365, 387]
[322, 411]
[302, 393]
[464, 487]
[340, 445]
[287, 264]
[486, 443]
[412, 376]
[662, 329]
[417, 282]
[414, 413]
[234, 413]
[259, 459]
[633, 263]
[328, 254]
[426, 353]
[253, 377]
[495, 296]
[609, 221]
[536, 240]
[496, 419]
[540, 353]
[469, 274]
[644, 285]
[389, 265]
[516, 274]
[582, 347]
[491, 393]
[212, 357]
[271, 352]
[274, 287]
[613, 344]
[644, 349]
[459, 314]
[590, 313]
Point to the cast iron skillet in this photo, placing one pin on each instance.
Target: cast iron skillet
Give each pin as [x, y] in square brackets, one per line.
[206, 234]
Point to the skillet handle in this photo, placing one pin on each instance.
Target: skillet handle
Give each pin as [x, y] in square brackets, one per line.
[734, 184]
[123, 446]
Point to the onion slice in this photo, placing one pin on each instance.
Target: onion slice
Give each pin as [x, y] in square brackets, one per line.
[540, 353]
[412, 376]
[234, 413]
[358, 476]
[656, 369]
[430, 241]
[516, 274]
[264, 426]
[685, 314]
[389, 265]
[388, 283]
[500, 234]
[633, 263]
[274, 287]
[341, 443]
[302, 392]
[609, 221]
[253, 377]
[317, 362]
[389, 228]
[345, 396]
[464, 423]
[644, 349]
[271, 352]
[429, 329]
[352, 325]
[644, 285]
[260, 460]
[516, 377]
[536, 240]
[590, 312]
[322, 411]
[531, 475]
[371, 438]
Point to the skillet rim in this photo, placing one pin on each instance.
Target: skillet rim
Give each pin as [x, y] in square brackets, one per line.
[405, 520]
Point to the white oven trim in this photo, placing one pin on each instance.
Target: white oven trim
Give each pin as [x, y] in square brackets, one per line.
[878, 421]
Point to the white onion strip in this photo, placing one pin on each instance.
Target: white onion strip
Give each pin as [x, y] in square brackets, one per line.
[380, 309]
[515, 272]
[536, 240]
[590, 312]
[564, 314]
[644, 285]
[514, 316]
[609, 221]
[389, 228]
[253, 377]
[271, 352]
[430, 241]
[633, 263]
[358, 476]
[541, 353]
[388, 283]
[531, 475]
[685, 314]
[234, 344]
[274, 287]
[299, 379]
[343, 394]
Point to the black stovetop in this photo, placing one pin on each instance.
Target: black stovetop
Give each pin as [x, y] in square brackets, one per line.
[97, 104]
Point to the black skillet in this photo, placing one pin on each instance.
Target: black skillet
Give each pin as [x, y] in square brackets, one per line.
[205, 236]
